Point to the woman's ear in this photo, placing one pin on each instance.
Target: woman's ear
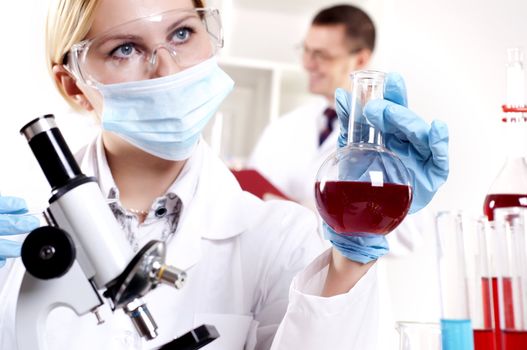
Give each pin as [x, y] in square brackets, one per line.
[70, 88]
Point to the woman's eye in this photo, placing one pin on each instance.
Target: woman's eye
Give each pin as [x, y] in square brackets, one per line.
[123, 51]
[181, 34]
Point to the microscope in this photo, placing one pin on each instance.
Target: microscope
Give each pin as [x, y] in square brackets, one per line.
[83, 251]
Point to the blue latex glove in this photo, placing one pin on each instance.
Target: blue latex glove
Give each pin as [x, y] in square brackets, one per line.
[13, 224]
[422, 148]
[362, 247]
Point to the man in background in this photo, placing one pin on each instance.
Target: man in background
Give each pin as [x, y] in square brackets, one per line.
[339, 41]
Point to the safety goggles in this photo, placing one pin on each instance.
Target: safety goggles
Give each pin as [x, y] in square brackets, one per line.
[131, 51]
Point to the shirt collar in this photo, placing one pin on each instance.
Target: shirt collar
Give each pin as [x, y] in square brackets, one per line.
[95, 163]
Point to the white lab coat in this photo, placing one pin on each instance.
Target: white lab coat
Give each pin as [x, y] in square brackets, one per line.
[246, 263]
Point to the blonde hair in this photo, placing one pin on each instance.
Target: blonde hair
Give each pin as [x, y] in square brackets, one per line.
[68, 23]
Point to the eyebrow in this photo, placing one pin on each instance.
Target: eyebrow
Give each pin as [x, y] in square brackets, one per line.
[179, 21]
[119, 38]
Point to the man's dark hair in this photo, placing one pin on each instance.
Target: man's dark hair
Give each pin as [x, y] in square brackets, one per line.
[360, 30]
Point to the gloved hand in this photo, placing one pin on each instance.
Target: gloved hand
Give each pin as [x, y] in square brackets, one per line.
[13, 224]
[422, 148]
[362, 248]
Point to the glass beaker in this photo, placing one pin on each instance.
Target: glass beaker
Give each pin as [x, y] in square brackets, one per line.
[363, 187]
[419, 335]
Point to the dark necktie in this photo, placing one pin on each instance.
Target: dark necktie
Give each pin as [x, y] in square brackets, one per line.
[330, 115]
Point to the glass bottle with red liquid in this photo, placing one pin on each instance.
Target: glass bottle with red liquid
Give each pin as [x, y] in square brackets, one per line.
[363, 188]
[509, 188]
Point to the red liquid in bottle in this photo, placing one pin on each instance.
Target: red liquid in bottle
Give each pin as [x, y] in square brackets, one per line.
[352, 206]
[484, 339]
[493, 201]
[513, 340]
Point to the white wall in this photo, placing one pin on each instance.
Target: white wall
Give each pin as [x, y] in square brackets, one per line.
[452, 54]
[26, 93]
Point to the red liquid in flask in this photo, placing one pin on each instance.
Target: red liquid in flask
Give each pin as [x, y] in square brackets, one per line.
[493, 201]
[353, 206]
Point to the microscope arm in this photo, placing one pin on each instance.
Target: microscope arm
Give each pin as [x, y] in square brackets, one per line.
[38, 297]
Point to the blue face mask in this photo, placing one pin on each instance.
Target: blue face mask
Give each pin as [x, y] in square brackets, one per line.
[165, 116]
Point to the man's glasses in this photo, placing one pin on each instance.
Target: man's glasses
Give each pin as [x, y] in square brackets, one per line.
[323, 56]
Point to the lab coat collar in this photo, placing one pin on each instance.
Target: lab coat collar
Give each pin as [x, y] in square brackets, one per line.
[220, 209]
[330, 143]
[216, 208]
[217, 211]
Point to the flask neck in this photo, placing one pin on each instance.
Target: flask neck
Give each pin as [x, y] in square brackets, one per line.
[362, 132]
[512, 177]
[367, 85]
[515, 77]
[515, 138]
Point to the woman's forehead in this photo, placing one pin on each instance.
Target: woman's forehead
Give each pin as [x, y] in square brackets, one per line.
[111, 13]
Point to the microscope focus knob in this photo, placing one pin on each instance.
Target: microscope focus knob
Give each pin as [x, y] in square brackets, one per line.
[48, 252]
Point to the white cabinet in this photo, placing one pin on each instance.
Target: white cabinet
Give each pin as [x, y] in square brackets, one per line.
[263, 91]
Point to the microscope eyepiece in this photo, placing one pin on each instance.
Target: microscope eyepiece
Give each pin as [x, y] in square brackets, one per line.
[38, 125]
[51, 151]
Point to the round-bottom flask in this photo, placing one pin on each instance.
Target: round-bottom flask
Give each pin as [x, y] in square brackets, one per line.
[363, 188]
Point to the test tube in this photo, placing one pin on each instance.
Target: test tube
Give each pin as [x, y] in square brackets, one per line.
[466, 289]
[456, 327]
[479, 280]
[510, 243]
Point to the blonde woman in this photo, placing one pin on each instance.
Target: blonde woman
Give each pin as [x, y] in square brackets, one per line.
[257, 271]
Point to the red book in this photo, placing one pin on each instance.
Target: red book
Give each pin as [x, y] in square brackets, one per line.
[253, 182]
